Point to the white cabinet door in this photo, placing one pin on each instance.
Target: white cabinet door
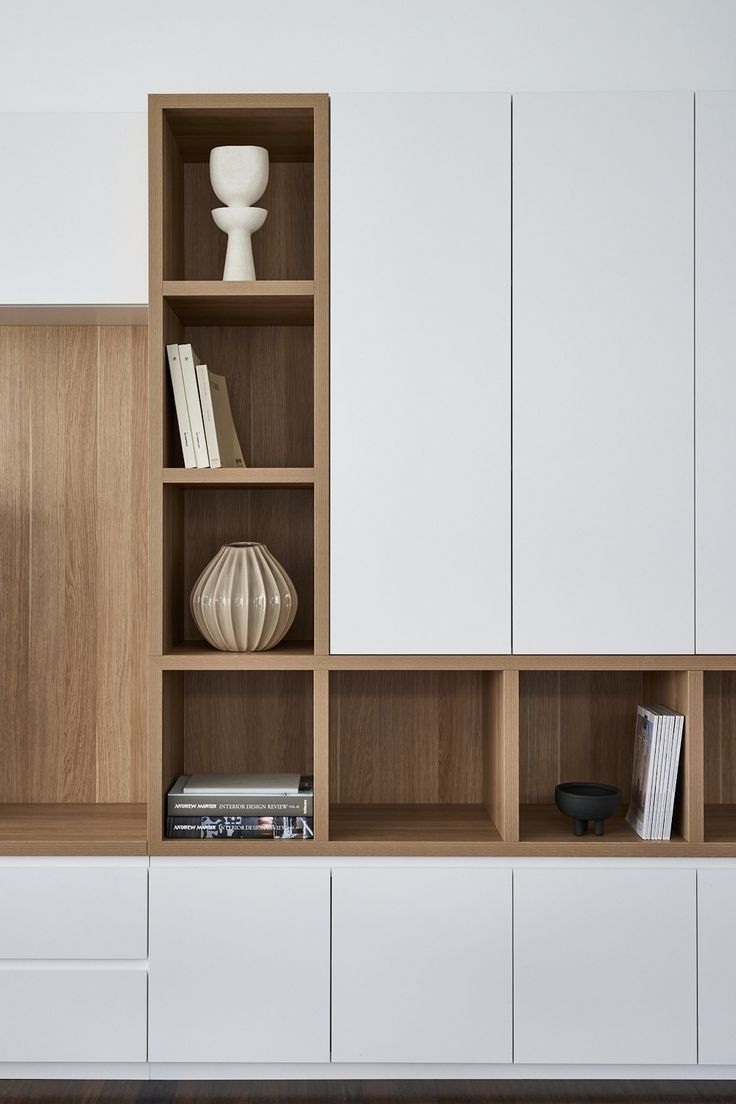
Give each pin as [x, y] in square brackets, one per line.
[605, 965]
[239, 963]
[603, 374]
[65, 910]
[715, 369]
[421, 965]
[73, 208]
[716, 966]
[420, 373]
[76, 1014]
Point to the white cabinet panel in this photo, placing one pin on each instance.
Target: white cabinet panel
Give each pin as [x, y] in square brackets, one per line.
[421, 965]
[605, 965]
[716, 966]
[603, 374]
[239, 964]
[715, 370]
[72, 1015]
[420, 373]
[65, 911]
[73, 208]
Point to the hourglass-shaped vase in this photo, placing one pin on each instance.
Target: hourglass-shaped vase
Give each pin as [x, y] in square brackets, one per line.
[239, 175]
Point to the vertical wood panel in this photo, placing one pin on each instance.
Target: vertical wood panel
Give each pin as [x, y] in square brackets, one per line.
[719, 724]
[15, 535]
[73, 505]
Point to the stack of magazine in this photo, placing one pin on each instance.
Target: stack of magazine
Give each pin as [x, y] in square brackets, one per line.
[240, 806]
[656, 762]
[206, 427]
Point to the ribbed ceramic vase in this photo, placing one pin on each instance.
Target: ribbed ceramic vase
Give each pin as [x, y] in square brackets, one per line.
[244, 601]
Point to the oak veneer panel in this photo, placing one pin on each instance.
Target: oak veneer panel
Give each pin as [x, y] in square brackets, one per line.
[71, 829]
[15, 543]
[720, 737]
[286, 131]
[426, 823]
[576, 727]
[235, 721]
[405, 737]
[241, 303]
[283, 249]
[501, 719]
[73, 548]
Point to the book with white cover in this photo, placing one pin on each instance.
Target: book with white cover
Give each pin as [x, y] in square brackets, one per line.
[223, 445]
[245, 784]
[189, 361]
[665, 732]
[639, 815]
[673, 775]
[180, 405]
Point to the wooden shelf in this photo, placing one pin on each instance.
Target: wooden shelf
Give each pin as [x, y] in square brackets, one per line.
[290, 656]
[239, 477]
[73, 829]
[407, 823]
[544, 827]
[720, 824]
[254, 303]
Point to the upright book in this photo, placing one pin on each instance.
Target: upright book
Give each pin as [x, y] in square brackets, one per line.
[657, 745]
[180, 405]
[221, 436]
[189, 361]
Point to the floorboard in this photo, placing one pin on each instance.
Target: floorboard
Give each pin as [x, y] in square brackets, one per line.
[367, 1092]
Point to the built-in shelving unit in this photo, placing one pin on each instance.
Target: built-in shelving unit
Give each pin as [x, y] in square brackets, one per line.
[415, 755]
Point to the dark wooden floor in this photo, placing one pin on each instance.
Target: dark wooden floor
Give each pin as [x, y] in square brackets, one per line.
[367, 1092]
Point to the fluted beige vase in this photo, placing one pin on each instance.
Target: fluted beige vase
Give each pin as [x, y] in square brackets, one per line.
[244, 601]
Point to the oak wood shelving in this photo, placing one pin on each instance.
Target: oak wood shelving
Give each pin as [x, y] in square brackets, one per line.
[412, 755]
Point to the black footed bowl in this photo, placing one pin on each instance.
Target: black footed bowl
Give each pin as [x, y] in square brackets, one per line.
[584, 801]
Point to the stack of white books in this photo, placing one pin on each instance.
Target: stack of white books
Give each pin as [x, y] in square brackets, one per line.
[656, 764]
[206, 427]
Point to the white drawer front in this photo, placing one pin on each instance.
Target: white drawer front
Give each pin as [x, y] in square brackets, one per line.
[80, 1014]
[59, 911]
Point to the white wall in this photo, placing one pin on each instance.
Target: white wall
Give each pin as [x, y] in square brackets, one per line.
[84, 55]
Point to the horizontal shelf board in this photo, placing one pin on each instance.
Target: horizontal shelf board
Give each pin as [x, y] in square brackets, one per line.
[72, 829]
[720, 824]
[250, 303]
[422, 823]
[530, 663]
[239, 477]
[545, 826]
[197, 656]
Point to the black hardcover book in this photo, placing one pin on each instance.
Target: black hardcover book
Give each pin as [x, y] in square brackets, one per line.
[239, 827]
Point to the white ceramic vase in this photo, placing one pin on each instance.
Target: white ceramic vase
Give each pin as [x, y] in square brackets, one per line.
[239, 175]
[244, 601]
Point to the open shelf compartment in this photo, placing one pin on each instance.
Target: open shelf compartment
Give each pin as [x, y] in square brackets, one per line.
[193, 247]
[421, 756]
[232, 722]
[199, 520]
[719, 733]
[579, 726]
[269, 370]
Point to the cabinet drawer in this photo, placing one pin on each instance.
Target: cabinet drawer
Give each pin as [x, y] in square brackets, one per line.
[59, 911]
[78, 1014]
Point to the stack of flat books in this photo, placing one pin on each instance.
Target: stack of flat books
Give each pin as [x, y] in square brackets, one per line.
[206, 427]
[656, 763]
[240, 806]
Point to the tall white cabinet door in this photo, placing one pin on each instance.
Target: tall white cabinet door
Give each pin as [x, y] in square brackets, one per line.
[716, 966]
[603, 373]
[715, 370]
[420, 373]
[421, 965]
[605, 965]
[239, 963]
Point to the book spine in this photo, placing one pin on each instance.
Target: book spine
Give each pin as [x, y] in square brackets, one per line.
[208, 415]
[239, 828]
[223, 805]
[191, 390]
[180, 405]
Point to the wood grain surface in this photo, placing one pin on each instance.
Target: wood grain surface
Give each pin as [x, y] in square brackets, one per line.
[72, 556]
